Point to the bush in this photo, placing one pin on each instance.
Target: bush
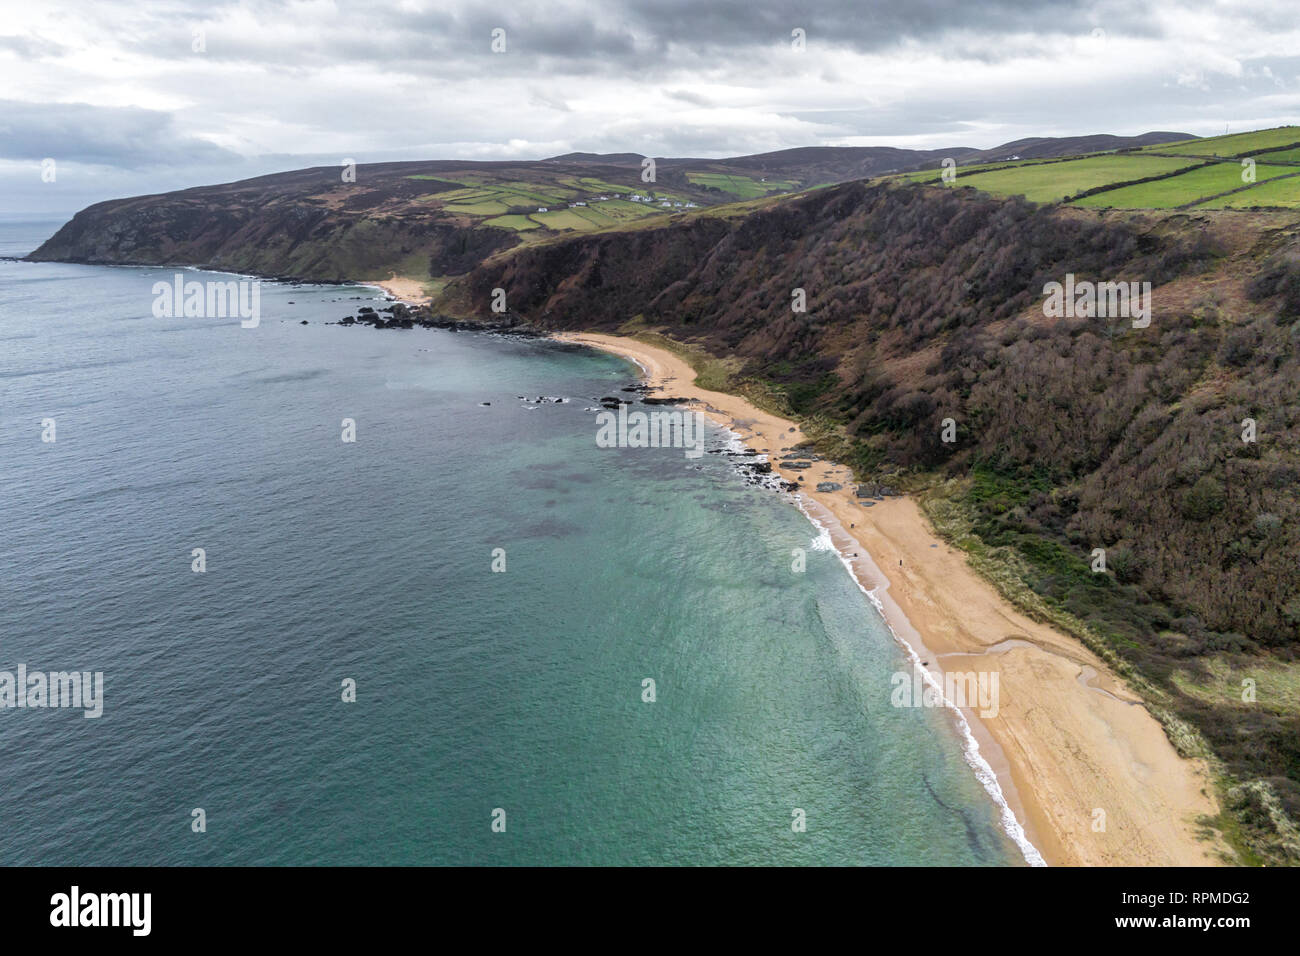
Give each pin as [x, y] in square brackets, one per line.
[1203, 500]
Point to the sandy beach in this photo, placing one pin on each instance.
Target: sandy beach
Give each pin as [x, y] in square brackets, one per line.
[409, 291]
[1086, 770]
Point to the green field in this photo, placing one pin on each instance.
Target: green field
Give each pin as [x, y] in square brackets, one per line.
[587, 184]
[1279, 192]
[935, 174]
[1181, 189]
[1234, 144]
[486, 207]
[1283, 156]
[623, 210]
[558, 219]
[491, 199]
[1052, 182]
[745, 187]
[518, 223]
[1040, 180]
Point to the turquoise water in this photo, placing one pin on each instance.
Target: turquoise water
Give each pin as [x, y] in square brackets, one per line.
[372, 561]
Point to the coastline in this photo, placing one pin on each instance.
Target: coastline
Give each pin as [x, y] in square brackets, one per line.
[1069, 738]
[404, 290]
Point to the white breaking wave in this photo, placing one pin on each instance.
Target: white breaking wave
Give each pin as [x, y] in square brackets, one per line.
[823, 540]
[970, 746]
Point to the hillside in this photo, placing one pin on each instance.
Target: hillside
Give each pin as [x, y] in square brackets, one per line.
[926, 304]
[431, 220]
[1255, 170]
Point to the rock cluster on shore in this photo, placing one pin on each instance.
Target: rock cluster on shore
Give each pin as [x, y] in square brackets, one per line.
[399, 315]
[877, 492]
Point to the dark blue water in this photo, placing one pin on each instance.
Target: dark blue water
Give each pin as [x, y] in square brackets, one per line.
[371, 561]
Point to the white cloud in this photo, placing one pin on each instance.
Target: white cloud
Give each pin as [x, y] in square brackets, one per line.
[391, 79]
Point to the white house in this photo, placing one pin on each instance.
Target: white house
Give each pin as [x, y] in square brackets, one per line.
[542, 209]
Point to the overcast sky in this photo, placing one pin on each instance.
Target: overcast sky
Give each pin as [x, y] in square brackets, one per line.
[131, 98]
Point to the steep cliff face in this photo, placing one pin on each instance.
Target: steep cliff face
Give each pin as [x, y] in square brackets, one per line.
[279, 235]
[925, 307]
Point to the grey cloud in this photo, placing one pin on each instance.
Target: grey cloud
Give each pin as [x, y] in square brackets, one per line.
[126, 137]
[30, 48]
[386, 80]
[687, 97]
[616, 35]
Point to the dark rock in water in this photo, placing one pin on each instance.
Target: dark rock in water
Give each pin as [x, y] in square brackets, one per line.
[485, 403]
[348, 320]
[403, 316]
[303, 322]
[829, 486]
[759, 467]
[291, 301]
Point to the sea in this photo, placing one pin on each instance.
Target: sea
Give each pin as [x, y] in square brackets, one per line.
[467, 636]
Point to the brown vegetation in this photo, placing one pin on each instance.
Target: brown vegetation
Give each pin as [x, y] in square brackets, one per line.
[1072, 434]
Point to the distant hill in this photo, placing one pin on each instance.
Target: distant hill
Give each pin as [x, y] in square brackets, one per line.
[609, 159]
[434, 219]
[1040, 146]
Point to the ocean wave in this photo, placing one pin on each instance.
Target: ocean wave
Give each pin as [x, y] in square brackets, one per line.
[970, 746]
